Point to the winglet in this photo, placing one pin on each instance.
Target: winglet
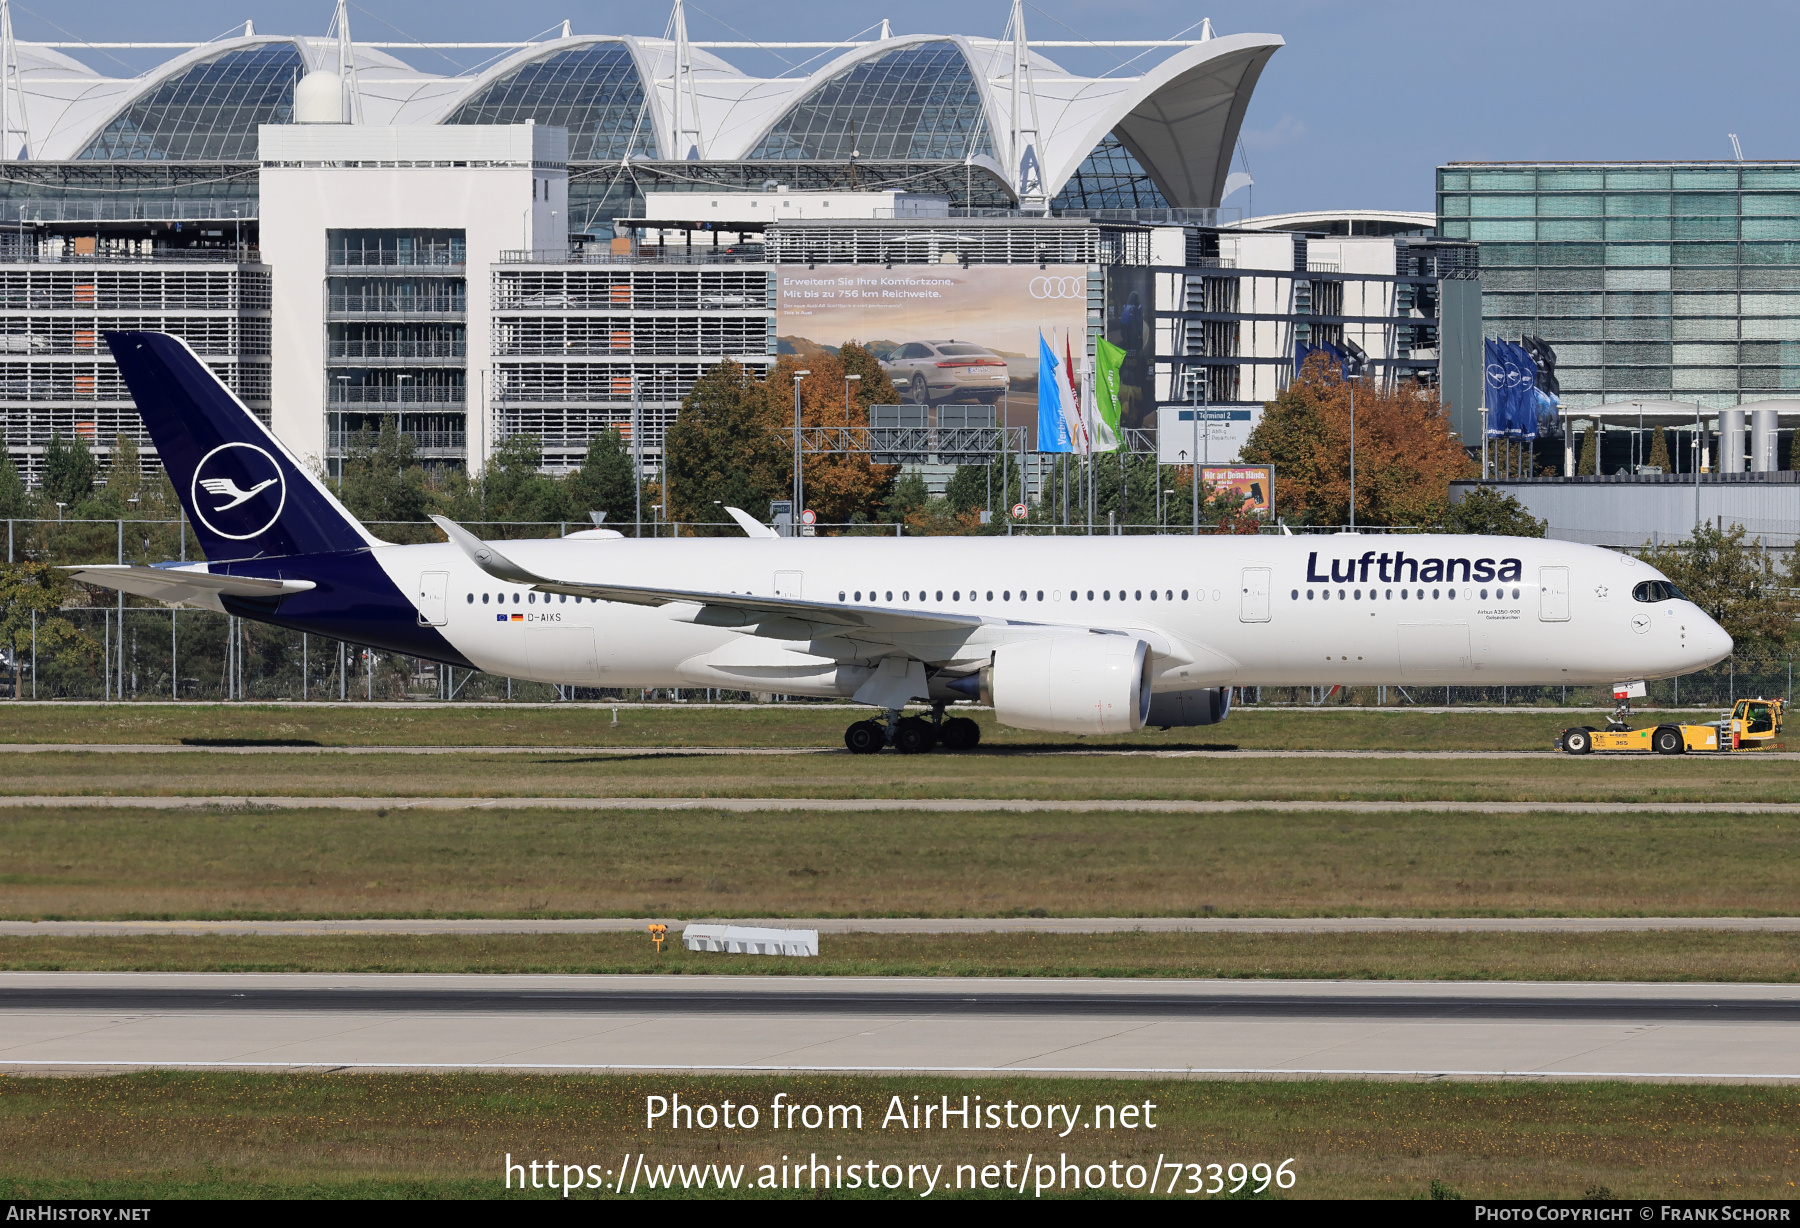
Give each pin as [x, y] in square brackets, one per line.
[1285, 531]
[751, 525]
[485, 556]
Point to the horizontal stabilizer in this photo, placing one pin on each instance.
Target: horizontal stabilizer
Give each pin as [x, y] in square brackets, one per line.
[191, 585]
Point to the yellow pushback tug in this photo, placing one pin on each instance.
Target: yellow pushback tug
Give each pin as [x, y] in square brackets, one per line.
[1750, 725]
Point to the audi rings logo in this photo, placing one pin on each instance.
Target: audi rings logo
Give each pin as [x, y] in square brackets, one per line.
[238, 491]
[1058, 287]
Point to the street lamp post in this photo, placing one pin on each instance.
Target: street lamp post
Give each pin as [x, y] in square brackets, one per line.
[848, 380]
[1352, 381]
[799, 476]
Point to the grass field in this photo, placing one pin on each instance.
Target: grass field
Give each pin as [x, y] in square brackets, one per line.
[521, 862]
[331, 1135]
[773, 725]
[1651, 779]
[1664, 955]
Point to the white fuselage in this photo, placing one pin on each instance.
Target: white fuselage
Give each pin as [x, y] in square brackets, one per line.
[1219, 610]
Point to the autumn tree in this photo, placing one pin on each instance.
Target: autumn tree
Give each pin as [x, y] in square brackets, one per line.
[840, 486]
[1659, 452]
[1406, 452]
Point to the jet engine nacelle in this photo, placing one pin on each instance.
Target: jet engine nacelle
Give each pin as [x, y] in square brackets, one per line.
[1207, 705]
[1083, 684]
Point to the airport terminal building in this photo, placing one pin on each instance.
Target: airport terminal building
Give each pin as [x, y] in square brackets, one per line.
[563, 242]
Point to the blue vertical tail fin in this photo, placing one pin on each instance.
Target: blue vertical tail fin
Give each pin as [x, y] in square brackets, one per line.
[246, 495]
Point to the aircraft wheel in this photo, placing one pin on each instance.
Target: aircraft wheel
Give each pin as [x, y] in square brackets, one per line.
[864, 738]
[961, 733]
[1577, 742]
[914, 736]
[1668, 741]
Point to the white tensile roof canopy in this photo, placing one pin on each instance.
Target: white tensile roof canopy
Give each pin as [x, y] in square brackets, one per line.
[1001, 105]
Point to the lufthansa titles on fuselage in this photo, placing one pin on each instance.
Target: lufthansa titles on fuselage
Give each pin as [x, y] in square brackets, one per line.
[1395, 567]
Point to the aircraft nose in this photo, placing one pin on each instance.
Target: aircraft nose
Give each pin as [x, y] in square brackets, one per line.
[1709, 642]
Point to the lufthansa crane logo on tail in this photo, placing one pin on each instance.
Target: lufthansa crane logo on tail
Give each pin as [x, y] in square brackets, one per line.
[238, 491]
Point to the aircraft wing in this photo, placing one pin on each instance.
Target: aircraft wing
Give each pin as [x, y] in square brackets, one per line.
[190, 585]
[745, 610]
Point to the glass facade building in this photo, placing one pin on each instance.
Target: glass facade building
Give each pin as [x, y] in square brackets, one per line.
[1663, 281]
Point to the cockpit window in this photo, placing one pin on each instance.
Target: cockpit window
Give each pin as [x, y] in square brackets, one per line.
[1657, 590]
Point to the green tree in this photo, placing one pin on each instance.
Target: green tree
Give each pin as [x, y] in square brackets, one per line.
[516, 489]
[1659, 452]
[15, 496]
[1589, 464]
[1734, 580]
[1490, 511]
[69, 470]
[723, 446]
[39, 589]
[909, 495]
[383, 482]
[604, 483]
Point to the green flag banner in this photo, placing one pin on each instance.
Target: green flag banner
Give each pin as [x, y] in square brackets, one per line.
[1108, 359]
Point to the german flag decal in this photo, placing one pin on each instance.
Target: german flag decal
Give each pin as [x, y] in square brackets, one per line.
[518, 618]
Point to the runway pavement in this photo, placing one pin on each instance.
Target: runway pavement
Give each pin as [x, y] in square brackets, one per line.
[919, 925]
[90, 1022]
[755, 805]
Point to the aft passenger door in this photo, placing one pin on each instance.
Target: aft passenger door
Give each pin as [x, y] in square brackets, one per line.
[1255, 608]
[1553, 594]
[433, 598]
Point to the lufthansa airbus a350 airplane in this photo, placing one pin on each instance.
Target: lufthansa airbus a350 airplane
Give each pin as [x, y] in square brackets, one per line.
[1074, 635]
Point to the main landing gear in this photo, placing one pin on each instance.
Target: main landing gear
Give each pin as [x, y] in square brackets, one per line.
[912, 735]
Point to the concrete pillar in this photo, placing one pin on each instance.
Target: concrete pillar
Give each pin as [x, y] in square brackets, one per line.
[1731, 441]
[1764, 423]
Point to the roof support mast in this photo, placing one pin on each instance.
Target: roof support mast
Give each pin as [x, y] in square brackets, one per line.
[686, 125]
[346, 65]
[13, 121]
[1030, 185]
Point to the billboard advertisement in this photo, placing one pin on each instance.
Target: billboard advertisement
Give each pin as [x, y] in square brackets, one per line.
[1254, 484]
[946, 335]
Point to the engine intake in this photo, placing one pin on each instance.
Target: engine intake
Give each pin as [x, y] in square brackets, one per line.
[1084, 684]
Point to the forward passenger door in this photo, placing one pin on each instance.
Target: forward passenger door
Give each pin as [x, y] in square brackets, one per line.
[1553, 594]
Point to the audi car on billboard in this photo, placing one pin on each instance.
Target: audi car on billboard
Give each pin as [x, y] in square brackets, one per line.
[926, 372]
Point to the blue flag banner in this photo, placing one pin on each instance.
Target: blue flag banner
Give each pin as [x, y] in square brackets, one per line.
[1494, 386]
[1052, 423]
[1524, 393]
[1338, 357]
